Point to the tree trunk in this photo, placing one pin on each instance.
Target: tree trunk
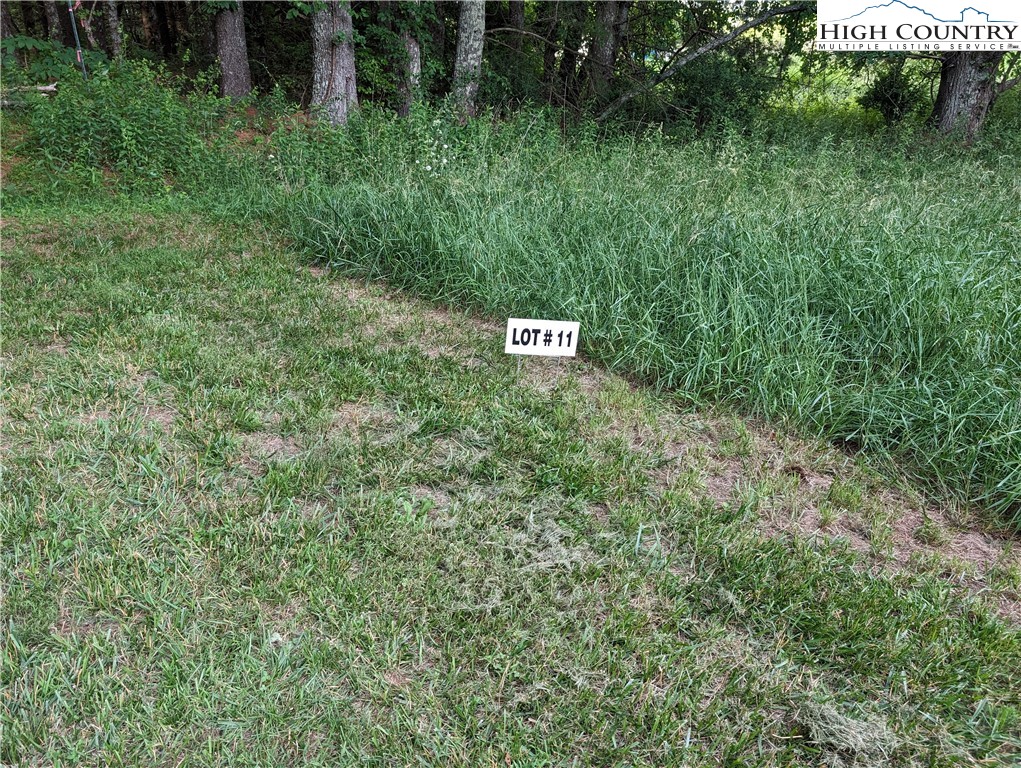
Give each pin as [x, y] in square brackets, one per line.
[549, 52]
[517, 20]
[167, 42]
[30, 20]
[569, 57]
[113, 28]
[232, 50]
[334, 87]
[7, 28]
[599, 64]
[412, 77]
[147, 24]
[54, 23]
[471, 29]
[967, 89]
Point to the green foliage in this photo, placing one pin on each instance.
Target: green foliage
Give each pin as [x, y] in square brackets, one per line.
[718, 89]
[31, 60]
[893, 93]
[129, 122]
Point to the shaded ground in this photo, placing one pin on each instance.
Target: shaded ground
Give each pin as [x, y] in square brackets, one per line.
[255, 512]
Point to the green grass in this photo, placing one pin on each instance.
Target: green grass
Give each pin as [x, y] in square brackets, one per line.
[865, 291]
[258, 516]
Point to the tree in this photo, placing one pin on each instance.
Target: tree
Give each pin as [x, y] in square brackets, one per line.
[682, 58]
[7, 28]
[412, 71]
[967, 90]
[516, 11]
[334, 87]
[232, 50]
[113, 28]
[471, 30]
[59, 24]
[574, 26]
[167, 42]
[611, 18]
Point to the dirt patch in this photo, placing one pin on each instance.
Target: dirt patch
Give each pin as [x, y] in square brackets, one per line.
[350, 290]
[66, 626]
[396, 678]
[37, 239]
[8, 163]
[895, 535]
[722, 482]
[95, 414]
[271, 446]
[57, 347]
[352, 418]
[439, 499]
[161, 415]
[545, 375]
[803, 489]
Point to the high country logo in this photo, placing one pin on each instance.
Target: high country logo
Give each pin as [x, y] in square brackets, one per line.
[936, 25]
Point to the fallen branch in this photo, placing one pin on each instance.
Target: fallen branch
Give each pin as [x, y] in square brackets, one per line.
[51, 88]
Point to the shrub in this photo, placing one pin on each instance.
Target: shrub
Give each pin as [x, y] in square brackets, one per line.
[893, 93]
[129, 121]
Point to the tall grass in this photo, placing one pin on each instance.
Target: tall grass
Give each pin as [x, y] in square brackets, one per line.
[866, 291]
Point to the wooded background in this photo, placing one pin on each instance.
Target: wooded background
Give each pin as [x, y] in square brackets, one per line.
[702, 63]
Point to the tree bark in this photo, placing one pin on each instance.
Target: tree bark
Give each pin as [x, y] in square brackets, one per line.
[167, 42]
[334, 86]
[113, 28]
[147, 24]
[600, 62]
[412, 77]
[471, 30]
[967, 90]
[517, 20]
[232, 50]
[7, 28]
[549, 52]
[55, 24]
[569, 75]
[30, 20]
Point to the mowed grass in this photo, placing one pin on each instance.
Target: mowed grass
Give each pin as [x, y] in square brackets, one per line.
[257, 515]
[866, 292]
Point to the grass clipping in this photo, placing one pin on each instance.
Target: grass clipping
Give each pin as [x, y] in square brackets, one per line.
[849, 740]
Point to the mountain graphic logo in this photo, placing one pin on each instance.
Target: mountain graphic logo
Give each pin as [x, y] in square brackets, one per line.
[902, 7]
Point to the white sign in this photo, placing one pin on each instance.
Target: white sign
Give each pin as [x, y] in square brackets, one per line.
[541, 337]
[918, 25]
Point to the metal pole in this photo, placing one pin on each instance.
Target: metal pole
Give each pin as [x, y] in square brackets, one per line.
[77, 42]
